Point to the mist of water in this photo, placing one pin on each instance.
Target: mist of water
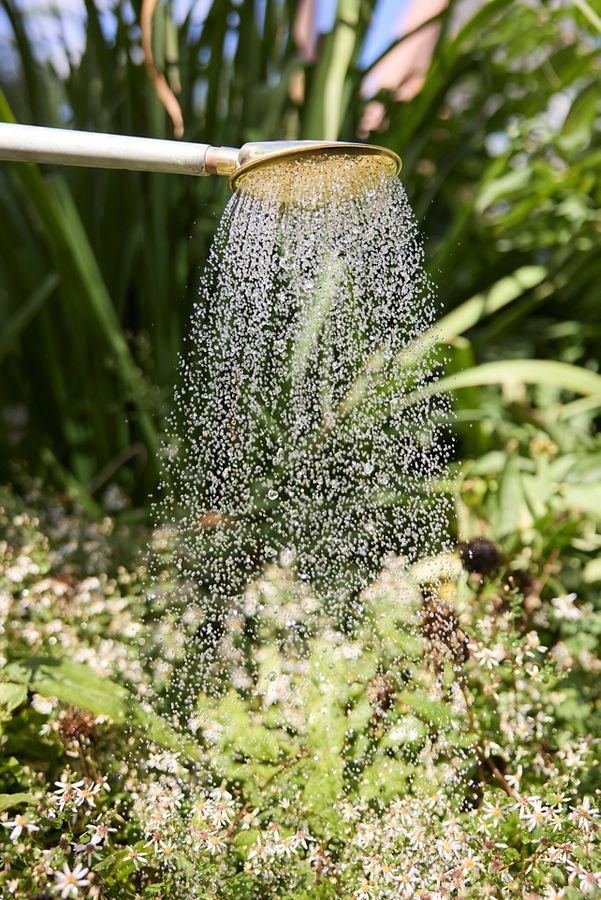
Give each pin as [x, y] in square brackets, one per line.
[305, 431]
[302, 475]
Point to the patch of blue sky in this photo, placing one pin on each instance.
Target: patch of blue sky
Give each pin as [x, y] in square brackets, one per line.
[383, 29]
[57, 27]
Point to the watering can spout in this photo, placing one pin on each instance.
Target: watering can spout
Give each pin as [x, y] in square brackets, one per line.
[62, 146]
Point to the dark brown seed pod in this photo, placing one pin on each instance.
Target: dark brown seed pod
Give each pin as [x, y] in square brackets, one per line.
[438, 620]
[522, 581]
[76, 724]
[480, 555]
[439, 623]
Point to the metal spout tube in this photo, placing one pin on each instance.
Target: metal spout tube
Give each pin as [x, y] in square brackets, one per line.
[30, 143]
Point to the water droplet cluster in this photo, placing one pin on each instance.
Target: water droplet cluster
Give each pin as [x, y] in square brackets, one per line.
[305, 423]
[303, 460]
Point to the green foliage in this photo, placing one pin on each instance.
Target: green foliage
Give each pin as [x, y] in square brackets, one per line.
[11, 696]
[7, 801]
[349, 738]
[500, 151]
[335, 752]
[78, 686]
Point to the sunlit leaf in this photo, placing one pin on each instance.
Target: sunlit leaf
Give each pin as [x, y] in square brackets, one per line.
[78, 685]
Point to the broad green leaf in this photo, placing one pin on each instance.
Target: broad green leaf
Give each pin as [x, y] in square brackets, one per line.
[565, 376]
[407, 729]
[11, 695]
[79, 686]
[583, 498]
[7, 801]
[582, 406]
[246, 735]
[433, 712]
[507, 183]
[592, 571]
[385, 779]
[484, 304]
[512, 512]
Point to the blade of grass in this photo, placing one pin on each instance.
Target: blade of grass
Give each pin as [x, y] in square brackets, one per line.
[13, 328]
[565, 376]
[326, 101]
[73, 256]
[484, 304]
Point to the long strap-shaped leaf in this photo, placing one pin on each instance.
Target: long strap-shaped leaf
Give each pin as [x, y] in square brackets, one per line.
[73, 257]
[562, 375]
[446, 330]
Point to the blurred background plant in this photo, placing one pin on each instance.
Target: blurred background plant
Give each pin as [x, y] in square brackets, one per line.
[500, 139]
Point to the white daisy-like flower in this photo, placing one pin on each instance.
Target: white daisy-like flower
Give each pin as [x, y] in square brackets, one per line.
[221, 794]
[364, 891]
[447, 847]
[302, 839]
[69, 881]
[489, 657]
[86, 794]
[409, 881]
[493, 812]
[90, 850]
[349, 812]
[588, 882]
[515, 780]
[100, 832]
[535, 814]
[249, 819]
[533, 644]
[469, 864]
[554, 893]
[165, 849]
[214, 843]
[18, 825]
[287, 846]
[65, 791]
[137, 857]
[583, 815]
[261, 850]
[42, 705]
[563, 607]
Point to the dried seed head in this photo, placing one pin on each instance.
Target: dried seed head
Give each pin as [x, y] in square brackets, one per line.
[481, 555]
[438, 620]
[380, 693]
[76, 724]
[439, 623]
[522, 581]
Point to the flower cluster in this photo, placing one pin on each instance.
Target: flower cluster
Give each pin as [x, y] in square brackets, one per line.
[445, 746]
